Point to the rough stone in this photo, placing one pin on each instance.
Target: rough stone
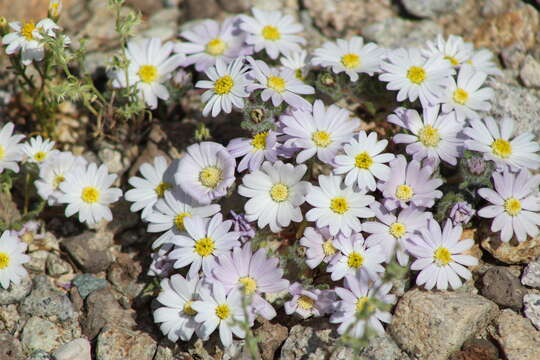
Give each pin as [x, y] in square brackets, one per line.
[56, 266]
[10, 348]
[531, 274]
[271, 337]
[40, 355]
[89, 250]
[394, 32]
[430, 8]
[477, 349]
[516, 336]
[511, 253]
[123, 218]
[117, 343]
[503, 288]
[125, 275]
[513, 56]
[164, 351]
[88, 283]
[15, 293]
[10, 320]
[145, 6]
[40, 334]
[383, 348]
[45, 300]
[435, 324]
[9, 213]
[37, 261]
[530, 72]
[196, 9]
[78, 349]
[532, 308]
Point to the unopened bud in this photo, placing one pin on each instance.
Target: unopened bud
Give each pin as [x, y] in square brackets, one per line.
[256, 115]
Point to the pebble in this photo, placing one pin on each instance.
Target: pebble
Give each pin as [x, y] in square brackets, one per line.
[10, 347]
[531, 274]
[530, 72]
[116, 343]
[532, 308]
[430, 8]
[40, 355]
[88, 283]
[517, 337]
[56, 266]
[503, 288]
[78, 349]
[395, 31]
[477, 349]
[15, 293]
[40, 334]
[507, 252]
[90, 250]
[37, 261]
[271, 337]
[124, 274]
[45, 300]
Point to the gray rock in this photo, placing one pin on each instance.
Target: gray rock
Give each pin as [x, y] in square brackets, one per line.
[10, 348]
[88, 283]
[123, 218]
[164, 351]
[117, 343]
[15, 293]
[40, 355]
[435, 324]
[531, 274]
[383, 348]
[37, 261]
[532, 308]
[530, 72]
[78, 349]
[40, 334]
[46, 301]
[270, 336]
[516, 336]
[10, 319]
[90, 250]
[430, 8]
[125, 275]
[513, 55]
[57, 267]
[503, 288]
[395, 31]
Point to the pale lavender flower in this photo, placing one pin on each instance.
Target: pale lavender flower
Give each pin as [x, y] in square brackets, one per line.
[262, 146]
[476, 165]
[461, 213]
[242, 226]
[515, 205]
[162, 264]
[319, 246]
[409, 184]
[439, 256]
[304, 302]
[253, 273]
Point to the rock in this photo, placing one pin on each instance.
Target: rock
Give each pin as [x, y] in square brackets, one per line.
[196, 9]
[531, 274]
[394, 32]
[9, 213]
[57, 267]
[236, 6]
[37, 261]
[513, 56]
[530, 72]
[125, 275]
[40, 334]
[87, 284]
[10, 320]
[89, 250]
[10, 348]
[164, 350]
[503, 288]
[78, 349]
[532, 308]
[271, 337]
[123, 218]
[145, 6]
[383, 348]
[40, 355]
[517, 337]
[46, 301]
[435, 324]
[477, 349]
[117, 343]
[509, 253]
[15, 293]
[430, 8]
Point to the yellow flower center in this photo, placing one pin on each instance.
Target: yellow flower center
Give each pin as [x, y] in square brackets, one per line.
[416, 74]
[210, 176]
[279, 192]
[460, 96]
[223, 85]
[512, 206]
[58, 179]
[188, 310]
[501, 148]
[429, 136]
[223, 311]
[216, 47]
[305, 302]
[404, 192]
[148, 73]
[161, 188]
[442, 256]
[179, 221]
[452, 60]
[271, 33]
[276, 83]
[363, 160]
[321, 138]
[205, 246]
[2, 152]
[54, 8]
[90, 195]
[350, 61]
[355, 260]
[339, 205]
[40, 156]
[259, 140]
[27, 30]
[249, 284]
[328, 247]
[397, 229]
[4, 260]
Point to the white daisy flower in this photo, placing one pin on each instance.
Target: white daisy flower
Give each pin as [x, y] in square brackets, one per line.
[363, 161]
[415, 76]
[156, 181]
[350, 56]
[433, 136]
[38, 149]
[465, 96]
[337, 206]
[204, 242]
[355, 258]
[279, 85]
[12, 258]
[209, 41]
[276, 193]
[216, 309]
[170, 212]
[53, 172]
[27, 39]
[454, 50]
[226, 87]
[296, 61]
[10, 149]
[499, 144]
[272, 31]
[482, 60]
[87, 191]
[322, 131]
[176, 316]
[262, 146]
[150, 65]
